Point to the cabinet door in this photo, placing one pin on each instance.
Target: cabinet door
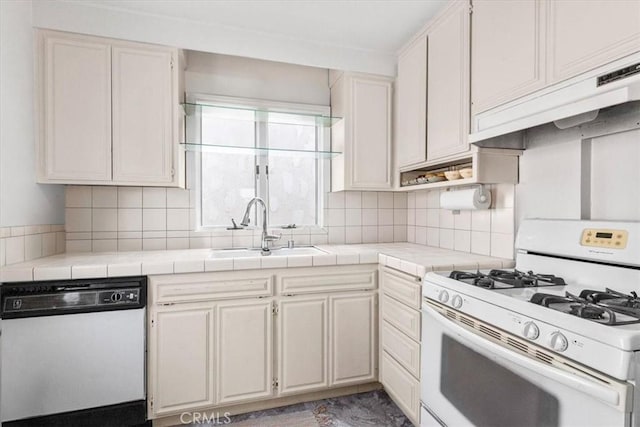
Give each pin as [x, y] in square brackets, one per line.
[181, 358]
[402, 387]
[353, 338]
[370, 134]
[507, 51]
[411, 102]
[142, 115]
[584, 34]
[75, 140]
[448, 84]
[244, 345]
[303, 344]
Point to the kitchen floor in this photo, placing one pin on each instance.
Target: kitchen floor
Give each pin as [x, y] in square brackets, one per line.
[364, 409]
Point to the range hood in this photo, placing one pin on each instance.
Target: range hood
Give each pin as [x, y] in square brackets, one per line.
[568, 103]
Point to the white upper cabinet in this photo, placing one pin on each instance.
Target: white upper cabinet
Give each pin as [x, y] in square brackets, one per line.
[411, 104]
[143, 108]
[107, 111]
[448, 83]
[507, 51]
[584, 34]
[75, 114]
[364, 133]
[521, 46]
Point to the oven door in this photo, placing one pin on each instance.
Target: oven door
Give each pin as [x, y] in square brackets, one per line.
[471, 379]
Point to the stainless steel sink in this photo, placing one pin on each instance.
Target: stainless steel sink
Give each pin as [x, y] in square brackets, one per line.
[255, 252]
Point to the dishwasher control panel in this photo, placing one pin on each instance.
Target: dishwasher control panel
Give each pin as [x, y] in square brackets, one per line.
[32, 299]
[119, 296]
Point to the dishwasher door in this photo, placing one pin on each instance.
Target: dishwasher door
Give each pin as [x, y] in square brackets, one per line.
[71, 362]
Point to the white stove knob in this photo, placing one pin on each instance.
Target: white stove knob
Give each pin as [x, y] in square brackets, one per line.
[456, 301]
[443, 297]
[531, 331]
[558, 342]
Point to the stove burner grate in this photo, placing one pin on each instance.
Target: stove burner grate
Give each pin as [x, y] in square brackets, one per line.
[504, 279]
[609, 307]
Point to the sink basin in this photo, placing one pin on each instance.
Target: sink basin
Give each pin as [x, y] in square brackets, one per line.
[247, 253]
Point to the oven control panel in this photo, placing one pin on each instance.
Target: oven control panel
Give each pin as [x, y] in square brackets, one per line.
[604, 238]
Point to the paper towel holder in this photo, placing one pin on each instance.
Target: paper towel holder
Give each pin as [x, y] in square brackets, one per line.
[483, 196]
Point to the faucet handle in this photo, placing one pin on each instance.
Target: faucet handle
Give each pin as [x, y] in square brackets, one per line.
[272, 237]
[235, 226]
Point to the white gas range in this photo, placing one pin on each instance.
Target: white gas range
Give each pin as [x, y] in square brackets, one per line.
[556, 341]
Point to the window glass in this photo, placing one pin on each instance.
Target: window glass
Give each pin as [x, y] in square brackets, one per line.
[227, 179]
[230, 177]
[292, 179]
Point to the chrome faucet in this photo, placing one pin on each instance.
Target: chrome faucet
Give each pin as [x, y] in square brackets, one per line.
[266, 237]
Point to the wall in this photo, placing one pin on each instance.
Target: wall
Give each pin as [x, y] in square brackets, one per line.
[485, 232]
[22, 201]
[111, 21]
[103, 219]
[25, 243]
[568, 174]
[251, 78]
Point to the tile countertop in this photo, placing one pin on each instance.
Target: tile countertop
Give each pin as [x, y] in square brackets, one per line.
[408, 257]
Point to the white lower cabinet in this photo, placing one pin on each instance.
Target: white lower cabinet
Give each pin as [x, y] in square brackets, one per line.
[244, 341]
[303, 350]
[353, 321]
[181, 358]
[240, 346]
[402, 387]
[206, 354]
[400, 323]
[326, 341]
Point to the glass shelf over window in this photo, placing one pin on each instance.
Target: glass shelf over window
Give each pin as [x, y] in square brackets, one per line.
[276, 152]
[261, 115]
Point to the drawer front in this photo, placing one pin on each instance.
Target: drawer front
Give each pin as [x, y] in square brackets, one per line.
[402, 387]
[402, 317]
[206, 286]
[329, 279]
[403, 287]
[404, 350]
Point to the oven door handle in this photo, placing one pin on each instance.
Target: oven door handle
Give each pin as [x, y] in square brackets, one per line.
[606, 394]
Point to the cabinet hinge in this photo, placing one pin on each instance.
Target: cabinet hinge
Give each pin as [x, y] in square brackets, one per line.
[274, 383]
[470, 8]
[173, 172]
[151, 402]
[171, 63]
[274, 309]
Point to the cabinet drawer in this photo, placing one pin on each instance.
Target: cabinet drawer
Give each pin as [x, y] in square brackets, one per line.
[402, 387]
[403, 287]
[404, 350]
[206, 286]
[402, 317]
[329, 279]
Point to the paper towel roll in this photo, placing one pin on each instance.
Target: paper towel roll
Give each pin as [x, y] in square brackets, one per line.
[471, 198]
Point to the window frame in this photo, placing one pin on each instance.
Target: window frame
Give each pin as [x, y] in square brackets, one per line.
[323, 165]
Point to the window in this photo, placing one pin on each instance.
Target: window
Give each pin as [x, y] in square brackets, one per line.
[256, 150]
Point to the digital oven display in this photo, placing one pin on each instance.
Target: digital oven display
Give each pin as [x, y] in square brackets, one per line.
[604, 235]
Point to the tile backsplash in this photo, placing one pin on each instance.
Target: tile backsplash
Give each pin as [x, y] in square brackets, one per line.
[485, 232]
[102, 219]
[29, 242]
